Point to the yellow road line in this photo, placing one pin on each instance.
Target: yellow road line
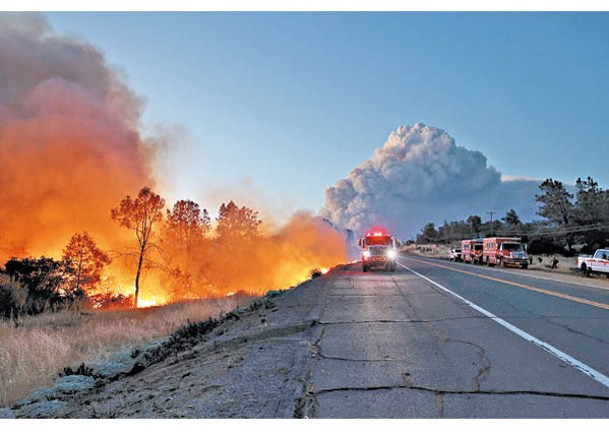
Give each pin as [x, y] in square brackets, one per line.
[524, 286]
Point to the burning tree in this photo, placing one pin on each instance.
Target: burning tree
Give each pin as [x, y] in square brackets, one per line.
[187, 224]
[237, 224]
[237, 248]
[182, 240]
[86, 261]
[139, 215]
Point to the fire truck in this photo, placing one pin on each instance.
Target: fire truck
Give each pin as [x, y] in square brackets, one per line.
[471, 251]
[505, 251]
[379, 250]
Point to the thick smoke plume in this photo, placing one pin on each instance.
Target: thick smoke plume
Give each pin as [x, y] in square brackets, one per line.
[69, 144]
[420, 175]
[70, 151]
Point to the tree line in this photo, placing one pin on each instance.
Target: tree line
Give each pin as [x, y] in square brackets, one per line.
[567, 221]
[165, 239]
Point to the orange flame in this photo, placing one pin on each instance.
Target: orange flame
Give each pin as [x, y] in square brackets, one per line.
[71, 150]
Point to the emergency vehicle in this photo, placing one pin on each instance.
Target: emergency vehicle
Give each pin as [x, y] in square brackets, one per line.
[598, 263]
[471, 251]
[379, 250]
[505, 251]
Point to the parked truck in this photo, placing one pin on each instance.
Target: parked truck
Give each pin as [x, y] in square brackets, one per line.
[597, 263]
[379, 250]
[471, 251]
[505, 251]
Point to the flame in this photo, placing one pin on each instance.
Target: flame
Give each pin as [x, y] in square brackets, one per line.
[71, 151]
[151, 301]
[69, 146]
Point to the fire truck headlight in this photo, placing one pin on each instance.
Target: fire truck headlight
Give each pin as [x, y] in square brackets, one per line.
[366, 254]
[392, 254]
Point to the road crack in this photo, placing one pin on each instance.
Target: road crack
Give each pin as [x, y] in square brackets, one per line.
[464, 392]
[351, 322]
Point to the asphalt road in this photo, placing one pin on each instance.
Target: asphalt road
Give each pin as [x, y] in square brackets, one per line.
[432, 340]
[438, 339]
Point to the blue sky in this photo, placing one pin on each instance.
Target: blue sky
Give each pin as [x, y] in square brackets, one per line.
[281, 105]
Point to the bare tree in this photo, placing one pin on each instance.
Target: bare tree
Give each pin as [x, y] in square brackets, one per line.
[139, 215]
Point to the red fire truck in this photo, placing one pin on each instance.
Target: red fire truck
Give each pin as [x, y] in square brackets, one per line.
[471, 251]
[378, 250]
[505, 251]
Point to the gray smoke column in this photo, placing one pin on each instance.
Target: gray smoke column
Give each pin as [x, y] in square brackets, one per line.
[421, 175]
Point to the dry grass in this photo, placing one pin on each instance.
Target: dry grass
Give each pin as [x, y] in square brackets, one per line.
[32, 354]
[565, 264]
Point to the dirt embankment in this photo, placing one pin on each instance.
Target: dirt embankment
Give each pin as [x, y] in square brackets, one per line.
[252, 362]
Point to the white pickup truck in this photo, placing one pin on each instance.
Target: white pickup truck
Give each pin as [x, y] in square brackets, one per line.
[598, 263]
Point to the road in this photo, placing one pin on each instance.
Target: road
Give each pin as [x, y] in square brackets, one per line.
[432, 340]
[405, 344]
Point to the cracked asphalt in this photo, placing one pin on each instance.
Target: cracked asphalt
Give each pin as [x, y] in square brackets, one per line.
[392, 345]
[372, 345]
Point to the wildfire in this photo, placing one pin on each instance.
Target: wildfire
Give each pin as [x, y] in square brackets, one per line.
[150, 301]
[71, 151]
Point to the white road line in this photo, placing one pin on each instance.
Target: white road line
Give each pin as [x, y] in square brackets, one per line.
[575, 363]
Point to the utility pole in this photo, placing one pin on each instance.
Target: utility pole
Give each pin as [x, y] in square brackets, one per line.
[491, 213]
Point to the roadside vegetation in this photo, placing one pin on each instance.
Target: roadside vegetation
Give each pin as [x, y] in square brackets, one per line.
[35, 353]
[56, 313]
[569, 223]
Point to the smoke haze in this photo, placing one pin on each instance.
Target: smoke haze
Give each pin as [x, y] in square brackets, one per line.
[71, 150]
[418, 176]
[69, 143]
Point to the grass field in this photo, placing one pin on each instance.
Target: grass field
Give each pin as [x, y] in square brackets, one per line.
[32, 354]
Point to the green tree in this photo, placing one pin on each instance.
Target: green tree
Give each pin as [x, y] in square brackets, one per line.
[557, 208]
[592, 211]
[512, 219]
[140, 215]
[13, 297]
[45, 280]
[555, 202]
[454, 231]
[591, 202]
[429, 234]
[475, 223]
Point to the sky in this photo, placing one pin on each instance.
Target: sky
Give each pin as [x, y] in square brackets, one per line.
[276, 107]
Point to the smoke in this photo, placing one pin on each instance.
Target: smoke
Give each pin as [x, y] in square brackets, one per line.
[203, 265]
[70, 151]
[69, 142]
[420, 175]
[303, 243]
